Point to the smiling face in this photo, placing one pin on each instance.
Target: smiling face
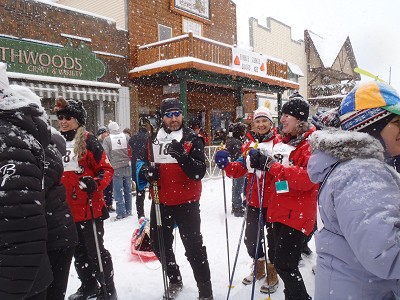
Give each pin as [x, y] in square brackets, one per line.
[173, 122]
[391, 136]
[262, 125]
[289, 124]
[67, 123]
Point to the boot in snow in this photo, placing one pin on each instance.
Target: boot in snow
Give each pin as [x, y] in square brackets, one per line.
[271, 282]
[173, 290]
[111, 294]
[205, 290]
[260, 272]
[85, 292]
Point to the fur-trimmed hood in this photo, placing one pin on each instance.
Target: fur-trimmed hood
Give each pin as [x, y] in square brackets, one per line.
[334, 145]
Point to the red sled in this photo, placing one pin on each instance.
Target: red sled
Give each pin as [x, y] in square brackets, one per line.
[140, 242]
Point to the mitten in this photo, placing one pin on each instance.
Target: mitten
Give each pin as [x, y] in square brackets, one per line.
[254, 158]
[266, 162]
[152, 173]
[175, 149]
[87, 184]
[222, 159]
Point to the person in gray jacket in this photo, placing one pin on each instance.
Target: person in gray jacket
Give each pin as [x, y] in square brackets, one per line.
[358, 240]
[119, 153]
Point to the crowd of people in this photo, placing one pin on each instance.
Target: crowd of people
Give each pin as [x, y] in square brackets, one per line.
[58, 187]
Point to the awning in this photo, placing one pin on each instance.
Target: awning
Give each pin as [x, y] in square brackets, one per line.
[295, 69]
[77, 92]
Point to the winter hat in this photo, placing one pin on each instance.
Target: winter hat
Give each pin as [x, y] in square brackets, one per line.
[263, 112]
[329, 118]
[170, 104]
[72, 108]
[113, 126]
[296, 107]
[101, 130]
[369, 103]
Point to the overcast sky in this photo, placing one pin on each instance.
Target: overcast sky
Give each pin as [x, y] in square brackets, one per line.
[371, 25]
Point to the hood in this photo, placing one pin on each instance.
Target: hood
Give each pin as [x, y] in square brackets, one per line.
[334, 145]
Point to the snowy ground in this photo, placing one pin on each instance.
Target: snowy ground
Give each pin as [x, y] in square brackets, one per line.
[143, 281]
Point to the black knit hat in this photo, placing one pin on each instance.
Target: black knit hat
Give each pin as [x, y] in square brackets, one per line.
[296, 107]
[72, 108]
[170, 104]
[101, 130]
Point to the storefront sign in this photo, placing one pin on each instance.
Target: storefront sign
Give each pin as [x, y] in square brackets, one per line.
[198, 7]
[30, 57]
[249, 61]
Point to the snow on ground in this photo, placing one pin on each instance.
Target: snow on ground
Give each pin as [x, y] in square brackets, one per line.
[143, 281]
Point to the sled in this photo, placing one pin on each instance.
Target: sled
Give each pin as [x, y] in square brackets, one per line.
[140, 242]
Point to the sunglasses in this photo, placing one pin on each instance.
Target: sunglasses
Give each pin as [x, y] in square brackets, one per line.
[62, 117]
[170, 114]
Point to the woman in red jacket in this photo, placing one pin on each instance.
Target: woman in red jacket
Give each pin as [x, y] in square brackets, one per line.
[293, 205]
[263, 138]
[87, 172]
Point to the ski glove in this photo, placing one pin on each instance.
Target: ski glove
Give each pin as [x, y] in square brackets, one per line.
[152, 173]
[87, 184]
[175, 149]
[259, 161]
[222, 159]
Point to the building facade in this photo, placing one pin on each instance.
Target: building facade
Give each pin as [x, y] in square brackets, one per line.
[58, 51]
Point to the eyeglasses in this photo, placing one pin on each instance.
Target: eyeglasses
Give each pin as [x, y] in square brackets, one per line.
[170, 114]
[62, 117]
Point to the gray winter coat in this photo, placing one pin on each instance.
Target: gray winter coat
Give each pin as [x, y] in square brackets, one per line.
[358, 246]
[119, 158]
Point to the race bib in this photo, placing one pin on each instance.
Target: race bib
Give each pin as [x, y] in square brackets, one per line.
[163, 141]
[282, 153]
[265, 148]
[118, 141]
[70, 162]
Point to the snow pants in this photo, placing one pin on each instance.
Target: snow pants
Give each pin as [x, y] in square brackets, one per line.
[250, 238]
[288, 245]
[187, 218]
[86, 262]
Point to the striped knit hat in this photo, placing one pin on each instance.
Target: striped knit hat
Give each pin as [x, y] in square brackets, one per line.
[367, 104]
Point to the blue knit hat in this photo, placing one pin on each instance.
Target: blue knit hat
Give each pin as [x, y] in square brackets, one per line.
[366, 104]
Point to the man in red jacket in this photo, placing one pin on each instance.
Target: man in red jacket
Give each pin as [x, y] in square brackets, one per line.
[178, 153]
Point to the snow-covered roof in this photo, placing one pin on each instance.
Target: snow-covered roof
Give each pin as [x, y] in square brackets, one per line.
[180, 60]
[295, 69]
[328, 49]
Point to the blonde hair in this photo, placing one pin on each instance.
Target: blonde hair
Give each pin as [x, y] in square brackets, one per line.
[80, 143]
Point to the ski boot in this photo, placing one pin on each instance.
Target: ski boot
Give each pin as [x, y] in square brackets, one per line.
[111, 295]
[85, 293]
[173, 290]
[205, 290]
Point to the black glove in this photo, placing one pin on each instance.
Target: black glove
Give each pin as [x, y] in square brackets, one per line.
[259, 161]
[175, 149]
[151, 173]
[87, 184]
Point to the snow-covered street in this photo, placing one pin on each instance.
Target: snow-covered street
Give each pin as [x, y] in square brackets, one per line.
[137, 280]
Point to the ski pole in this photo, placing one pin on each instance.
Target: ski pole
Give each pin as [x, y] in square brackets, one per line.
[248, 196]
[260, 223]
[226, 227]
[102, 277]
[266, 261]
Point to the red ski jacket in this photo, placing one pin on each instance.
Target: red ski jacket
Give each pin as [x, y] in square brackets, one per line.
[95, 164]
[239, 168]
[296, 208]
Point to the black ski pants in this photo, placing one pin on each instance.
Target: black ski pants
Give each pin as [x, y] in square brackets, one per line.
[60, 261]
[288, 245]
[250, 237]
[187, 218]
[86, 262]
[140, 196]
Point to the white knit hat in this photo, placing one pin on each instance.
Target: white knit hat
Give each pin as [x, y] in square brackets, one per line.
[113, 126]
[263, 112]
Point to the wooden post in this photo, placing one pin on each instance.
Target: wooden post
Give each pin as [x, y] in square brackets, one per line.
[191, 43]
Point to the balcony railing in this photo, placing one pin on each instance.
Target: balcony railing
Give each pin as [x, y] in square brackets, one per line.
[189, 45]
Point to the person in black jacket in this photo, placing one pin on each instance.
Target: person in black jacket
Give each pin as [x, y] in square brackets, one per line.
[234, 142]
[62, 237]
[25, 271]
[137, 143]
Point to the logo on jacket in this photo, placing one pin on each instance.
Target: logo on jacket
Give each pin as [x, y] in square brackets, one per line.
[7, 171]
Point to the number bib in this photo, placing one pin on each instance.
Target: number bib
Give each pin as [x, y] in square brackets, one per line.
[70, 162]
[118, 141]
[265, 149]
[160, 149]
[282, 152]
